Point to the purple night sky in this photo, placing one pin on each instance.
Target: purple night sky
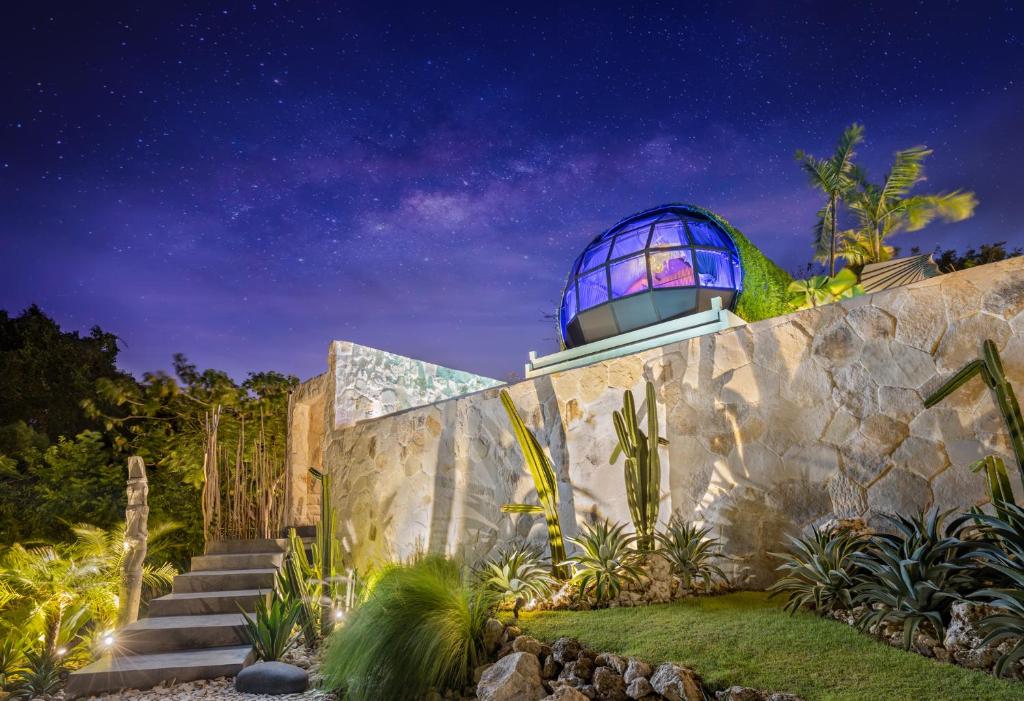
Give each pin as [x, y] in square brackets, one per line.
[243, 182]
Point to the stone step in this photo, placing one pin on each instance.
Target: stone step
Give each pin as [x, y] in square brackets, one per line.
[170, 633]
[201, 603]
[222, 580]
[236, 561]
[249, 545]
[111, 673]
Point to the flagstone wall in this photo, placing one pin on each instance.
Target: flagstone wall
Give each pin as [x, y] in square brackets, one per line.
[773, 426]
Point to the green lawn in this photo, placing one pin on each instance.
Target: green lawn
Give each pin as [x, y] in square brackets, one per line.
[743, 638]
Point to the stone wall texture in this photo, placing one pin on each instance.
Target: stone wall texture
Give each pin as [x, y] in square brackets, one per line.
[773, 426]
[360, 383]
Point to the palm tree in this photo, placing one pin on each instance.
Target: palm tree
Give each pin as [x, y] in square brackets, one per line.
[889, 209]
[59, 592]
[45, 589]
[106, 549]
[836, 177]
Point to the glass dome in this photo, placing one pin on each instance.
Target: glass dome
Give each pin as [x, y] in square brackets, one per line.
[656, 265]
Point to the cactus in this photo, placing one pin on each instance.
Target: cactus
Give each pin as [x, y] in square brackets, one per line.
[999, 490]
[990, 367]
[643, 467]
[544, 480]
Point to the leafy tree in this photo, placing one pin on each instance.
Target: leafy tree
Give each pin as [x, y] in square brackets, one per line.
[45, 372]
[884, 210]
[836, 178]
[950, 259]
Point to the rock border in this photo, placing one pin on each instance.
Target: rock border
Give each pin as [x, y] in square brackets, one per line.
[566, 670]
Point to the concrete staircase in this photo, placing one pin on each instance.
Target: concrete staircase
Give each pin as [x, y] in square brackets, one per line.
[195, 632]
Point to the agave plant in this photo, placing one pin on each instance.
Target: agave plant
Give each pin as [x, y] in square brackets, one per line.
[914, 575]
[1004, 552]
[516, 574]
[272, 631]
[40, 677]
[420, 628]
[691, 552]
[607, 560]
[819, 569]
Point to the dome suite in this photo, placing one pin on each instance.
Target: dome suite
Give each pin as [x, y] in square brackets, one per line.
[653, 266]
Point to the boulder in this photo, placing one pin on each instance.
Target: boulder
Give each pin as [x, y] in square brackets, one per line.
[963, 638]
[272, 678]
[609, 685]
[677, 683]
[578, 672]
[515, 677]
[550, 668]
[565, 650]
[566, 693]
[635, 669]
[617, 663]
[639, 688]
[524, 643]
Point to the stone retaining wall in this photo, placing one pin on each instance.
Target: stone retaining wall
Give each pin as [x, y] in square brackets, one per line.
[773, 426]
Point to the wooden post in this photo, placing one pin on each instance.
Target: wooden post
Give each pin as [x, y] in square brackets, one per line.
[136, 533]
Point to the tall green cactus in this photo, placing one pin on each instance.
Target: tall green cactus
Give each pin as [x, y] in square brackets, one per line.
[643, 466]
[544, 480]
[990, 367]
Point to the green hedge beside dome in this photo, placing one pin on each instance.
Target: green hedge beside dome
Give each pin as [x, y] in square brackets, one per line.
[764, 282]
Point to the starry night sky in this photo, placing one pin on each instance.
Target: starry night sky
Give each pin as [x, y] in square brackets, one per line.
[244, 182]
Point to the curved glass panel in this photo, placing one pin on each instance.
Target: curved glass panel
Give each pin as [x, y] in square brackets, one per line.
[668, 234]
[629, 276]
[672, 269]
[568, 310]
[705, 233]
[595, 256]
[593, 288]
[630, 242]
[714, 268]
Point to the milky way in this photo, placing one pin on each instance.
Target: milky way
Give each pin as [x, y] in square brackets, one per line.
[245, 182]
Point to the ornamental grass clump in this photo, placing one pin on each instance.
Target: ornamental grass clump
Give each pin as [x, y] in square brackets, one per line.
[914, 575]
[517, 574]
[606, 562]
[819, 569]
[420, 628]
[691, 552]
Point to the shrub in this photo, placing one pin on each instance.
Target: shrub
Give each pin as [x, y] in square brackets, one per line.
[606, 562]
[420, 628]
[690, 552]
[914, 575]
[516, 574]
[272, 631]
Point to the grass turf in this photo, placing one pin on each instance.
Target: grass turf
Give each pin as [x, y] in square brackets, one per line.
[745, 639]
